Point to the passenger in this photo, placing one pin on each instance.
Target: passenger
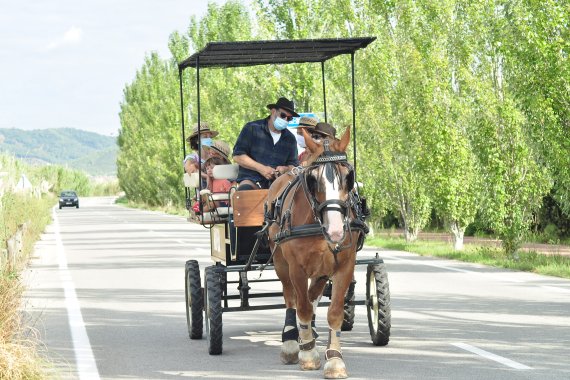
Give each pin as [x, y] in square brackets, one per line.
[308, 123]
[215, 185]
[191, 160]
[265, 148]
[220, 149]
[320, 132]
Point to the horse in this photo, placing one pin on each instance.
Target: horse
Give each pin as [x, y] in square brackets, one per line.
[309, 214]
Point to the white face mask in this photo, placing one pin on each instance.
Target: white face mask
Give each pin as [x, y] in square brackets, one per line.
[301, 141]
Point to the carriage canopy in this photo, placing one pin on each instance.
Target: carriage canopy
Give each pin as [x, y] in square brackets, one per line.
[251, 53]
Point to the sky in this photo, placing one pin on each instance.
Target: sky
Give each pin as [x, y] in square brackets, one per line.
[65, 63]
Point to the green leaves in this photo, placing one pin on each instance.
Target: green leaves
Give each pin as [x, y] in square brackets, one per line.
[462, 105]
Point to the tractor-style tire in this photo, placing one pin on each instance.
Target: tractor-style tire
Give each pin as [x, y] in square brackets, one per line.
[348, 317]
[378, 305]
[194, 300]
[213, 308]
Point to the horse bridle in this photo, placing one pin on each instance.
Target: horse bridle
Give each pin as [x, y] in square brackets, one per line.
[328, 159]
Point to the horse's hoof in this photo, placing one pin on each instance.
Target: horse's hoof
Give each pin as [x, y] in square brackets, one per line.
[335, 369]
[309, 360]
[290, 352]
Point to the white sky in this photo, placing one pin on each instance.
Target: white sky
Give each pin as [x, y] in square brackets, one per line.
[65, 63]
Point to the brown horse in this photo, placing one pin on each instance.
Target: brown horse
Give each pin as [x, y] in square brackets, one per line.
[318, 197]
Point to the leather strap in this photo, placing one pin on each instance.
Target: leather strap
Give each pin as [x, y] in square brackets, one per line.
[307, 346]
[330, 354]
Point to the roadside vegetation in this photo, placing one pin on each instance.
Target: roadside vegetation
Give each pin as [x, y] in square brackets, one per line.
[29, 206]
[457, 122]
[528, 261]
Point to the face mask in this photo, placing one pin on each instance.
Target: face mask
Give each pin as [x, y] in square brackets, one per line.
[280, 124]
[301, 141]
[207, 141]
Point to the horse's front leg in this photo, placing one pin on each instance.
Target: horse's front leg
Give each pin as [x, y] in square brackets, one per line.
[315, 294]
[309, 358]
[290, 335]
[335, 367]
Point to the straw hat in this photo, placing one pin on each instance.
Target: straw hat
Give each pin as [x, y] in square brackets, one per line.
[220, 147]
[204, 127]
[307, 122]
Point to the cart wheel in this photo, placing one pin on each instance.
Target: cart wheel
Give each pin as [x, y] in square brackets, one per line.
[194, 300]
[213, 309]
[348, 318]
[378, 304]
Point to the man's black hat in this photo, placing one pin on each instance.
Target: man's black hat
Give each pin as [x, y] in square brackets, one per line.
[286, 104]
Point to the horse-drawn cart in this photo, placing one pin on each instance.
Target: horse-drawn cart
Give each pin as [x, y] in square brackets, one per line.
[237, 231]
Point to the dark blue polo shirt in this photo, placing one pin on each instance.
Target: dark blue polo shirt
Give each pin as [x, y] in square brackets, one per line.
[255, 140]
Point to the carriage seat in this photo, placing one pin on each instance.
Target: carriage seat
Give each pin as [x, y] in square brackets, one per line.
[214, 214]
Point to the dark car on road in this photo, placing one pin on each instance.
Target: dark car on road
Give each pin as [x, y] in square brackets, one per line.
[68, 198]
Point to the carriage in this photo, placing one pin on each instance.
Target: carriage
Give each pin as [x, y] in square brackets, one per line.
[236, 228]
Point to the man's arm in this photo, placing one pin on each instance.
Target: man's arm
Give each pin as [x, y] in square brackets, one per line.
[249, 163]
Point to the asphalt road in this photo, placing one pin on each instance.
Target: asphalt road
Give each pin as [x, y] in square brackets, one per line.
[106, 295]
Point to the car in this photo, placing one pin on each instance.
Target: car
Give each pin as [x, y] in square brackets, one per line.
[68, 198]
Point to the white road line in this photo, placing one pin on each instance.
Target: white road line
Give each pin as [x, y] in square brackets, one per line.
[86, 365]
[491, 356]
[556, 289]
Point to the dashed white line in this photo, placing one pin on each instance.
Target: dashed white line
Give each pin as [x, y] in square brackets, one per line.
[491, 356]
[86, 365]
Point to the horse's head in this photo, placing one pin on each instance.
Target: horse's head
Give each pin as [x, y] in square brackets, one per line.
[329, 178]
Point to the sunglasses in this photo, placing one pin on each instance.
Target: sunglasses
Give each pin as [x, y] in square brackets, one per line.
[317, 136]
[284, 116]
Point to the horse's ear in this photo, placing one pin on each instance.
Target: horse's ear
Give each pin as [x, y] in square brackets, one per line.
[345, 139]
[311, 145]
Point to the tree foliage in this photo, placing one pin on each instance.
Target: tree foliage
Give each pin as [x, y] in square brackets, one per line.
[462, 105]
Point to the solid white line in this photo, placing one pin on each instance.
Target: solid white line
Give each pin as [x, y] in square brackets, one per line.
[86, 365]
[490, 356]
[556, 289]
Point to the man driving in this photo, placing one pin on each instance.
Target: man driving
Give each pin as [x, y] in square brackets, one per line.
[265, 148]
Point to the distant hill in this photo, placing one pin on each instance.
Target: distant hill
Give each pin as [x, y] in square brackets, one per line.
[88, 151]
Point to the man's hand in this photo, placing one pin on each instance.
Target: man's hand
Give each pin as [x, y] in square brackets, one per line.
[282, 170]
[266, 171]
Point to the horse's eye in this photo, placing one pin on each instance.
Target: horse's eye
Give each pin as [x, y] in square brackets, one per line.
[349, 180]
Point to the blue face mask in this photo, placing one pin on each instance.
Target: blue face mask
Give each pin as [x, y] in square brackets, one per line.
[207, 141]
[280, 124]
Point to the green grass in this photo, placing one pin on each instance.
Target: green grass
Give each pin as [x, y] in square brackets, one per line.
[551, 265]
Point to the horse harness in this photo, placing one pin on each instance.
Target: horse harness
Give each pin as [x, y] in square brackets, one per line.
[277, 212]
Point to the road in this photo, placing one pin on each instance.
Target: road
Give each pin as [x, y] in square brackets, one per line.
[106, 295]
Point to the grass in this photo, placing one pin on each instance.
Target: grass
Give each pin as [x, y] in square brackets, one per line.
[18, 343]
[551, 265]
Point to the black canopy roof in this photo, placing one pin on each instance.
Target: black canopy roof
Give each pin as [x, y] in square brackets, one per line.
[251, 53]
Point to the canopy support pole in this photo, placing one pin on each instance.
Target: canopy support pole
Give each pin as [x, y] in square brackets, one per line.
[199, 134]
[186, 195]
[324, 89]
[353, 115]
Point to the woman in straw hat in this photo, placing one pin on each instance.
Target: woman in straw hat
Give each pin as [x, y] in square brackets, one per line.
[191, 164]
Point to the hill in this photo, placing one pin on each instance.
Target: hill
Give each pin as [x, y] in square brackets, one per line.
[88, 151]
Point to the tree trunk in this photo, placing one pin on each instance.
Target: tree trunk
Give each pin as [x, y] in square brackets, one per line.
[457, 235]
[411, 234]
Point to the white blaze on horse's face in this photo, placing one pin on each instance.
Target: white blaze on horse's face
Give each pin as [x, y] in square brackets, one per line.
[333, 217]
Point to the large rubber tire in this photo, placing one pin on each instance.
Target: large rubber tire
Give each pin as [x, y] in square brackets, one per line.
[378, 304]
[348, 317]
[213, 307]
[194, 300]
